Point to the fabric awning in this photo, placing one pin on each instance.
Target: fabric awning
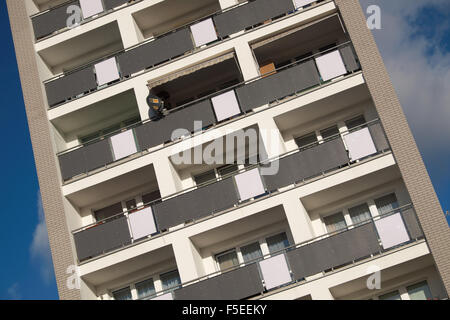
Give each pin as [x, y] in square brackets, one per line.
[189, 70]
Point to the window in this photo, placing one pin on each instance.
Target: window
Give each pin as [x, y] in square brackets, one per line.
[131, 205]
[360, 213]
[251, 252]
[250, 161]
[304, 56]
[170, 280]
[277, 242]
[386, 204]
[150, 197]
[205, 177]
[355, 123]
[335, 222]
[329, 132]
[122, 294]
[109, 130]
[327, 47]
[419, 291]
[395, 295]
[145, 288]
[227, 260]
[306, 141]
[108, 212]
[227, 169]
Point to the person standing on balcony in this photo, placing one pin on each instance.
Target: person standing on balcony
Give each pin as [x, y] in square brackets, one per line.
[156, 105]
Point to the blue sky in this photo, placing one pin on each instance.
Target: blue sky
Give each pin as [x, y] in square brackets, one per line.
[414, 41]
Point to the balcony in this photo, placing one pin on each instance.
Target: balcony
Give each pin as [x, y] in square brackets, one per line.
[163, 47]
[321, 255]
[363, 142]
[54, 19]
[291, 80]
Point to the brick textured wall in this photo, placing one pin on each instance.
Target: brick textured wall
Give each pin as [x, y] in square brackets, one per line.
[42, 147]
[403, 144]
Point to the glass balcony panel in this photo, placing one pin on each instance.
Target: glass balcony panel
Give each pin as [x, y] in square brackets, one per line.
[275, 271]
[392, 231]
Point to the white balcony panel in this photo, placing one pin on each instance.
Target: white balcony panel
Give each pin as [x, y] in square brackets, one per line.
[107, 71]
[142, 223]
[91, 7]
[204, 32]
[302, 3]
[275, 271]
[392, 231]
[167, 296]
[249, 184]
[226, 105]
[331, 65]
[123, 145]
[360, 144]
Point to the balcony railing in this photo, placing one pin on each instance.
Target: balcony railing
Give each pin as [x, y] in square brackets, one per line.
[51, 21]
[290, 80]
[166, 47]
[323, 254]
[230, 191]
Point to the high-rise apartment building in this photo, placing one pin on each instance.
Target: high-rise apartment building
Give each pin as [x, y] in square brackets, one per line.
[349, 203]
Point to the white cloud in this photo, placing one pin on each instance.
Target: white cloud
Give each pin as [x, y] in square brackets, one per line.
[14, 292]
[420, 79]
[40, 247]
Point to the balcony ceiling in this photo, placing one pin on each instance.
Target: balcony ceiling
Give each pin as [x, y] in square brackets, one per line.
[97, 115]
[151, 260]
[142, 178]
[321, 108]
[84, 48]
[398, 273]
[351, 189]
[171, 14]
[240, 227]
[45, 4]
[297, 43]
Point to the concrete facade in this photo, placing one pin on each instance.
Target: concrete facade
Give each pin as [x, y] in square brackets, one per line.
[299, 210]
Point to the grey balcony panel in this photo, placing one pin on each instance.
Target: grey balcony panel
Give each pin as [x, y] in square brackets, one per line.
[72, 163]
[324, 157]
[111, 4]
[355, 244]
[334, 251]
[308, 163]
[70, 85]
[149, 134]
[186, 118]
[154, 133]
[98, 155]
[233, 285]
[410, 219]
[55, 19]
[102, 238]
[310, 259]
[290, 171]
[349, 59]
[196, 204]
[378, 136]
[253, 13]
[155, 52]
[277, 86]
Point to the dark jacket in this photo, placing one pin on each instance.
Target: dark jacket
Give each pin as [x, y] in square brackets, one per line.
[156, 106]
